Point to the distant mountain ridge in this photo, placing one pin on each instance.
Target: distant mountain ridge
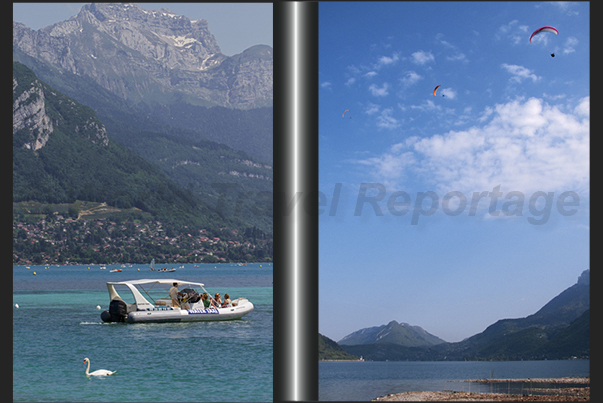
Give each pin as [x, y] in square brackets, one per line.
[559, 330]
[151, 55]
[396, 333]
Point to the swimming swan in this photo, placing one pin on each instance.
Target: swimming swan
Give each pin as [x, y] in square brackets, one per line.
[98, 372]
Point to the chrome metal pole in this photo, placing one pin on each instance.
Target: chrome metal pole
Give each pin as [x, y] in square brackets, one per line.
[295, 202]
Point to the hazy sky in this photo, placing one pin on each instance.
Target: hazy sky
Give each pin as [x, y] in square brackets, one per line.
[236, 26]
[465, 220]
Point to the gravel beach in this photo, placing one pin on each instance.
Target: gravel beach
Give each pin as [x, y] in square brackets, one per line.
[560, 394]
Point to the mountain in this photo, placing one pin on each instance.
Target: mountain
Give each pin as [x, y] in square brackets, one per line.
[163, 89]
[151, 55]
[62, 153]
[152, 70]
[330, 350]
[559, 330]
[396, 333]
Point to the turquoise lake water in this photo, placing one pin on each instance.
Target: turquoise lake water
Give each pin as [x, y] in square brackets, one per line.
[57, 325]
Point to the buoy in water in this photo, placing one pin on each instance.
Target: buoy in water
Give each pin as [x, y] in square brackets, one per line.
[17, 306]
[34, 273]
[98, 307]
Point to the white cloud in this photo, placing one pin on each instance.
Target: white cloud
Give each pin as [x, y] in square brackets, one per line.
[521, 145]
[553, 97]
[519, 72]
[512, 31]
[448, 93]
[458, 57]
[379, 92]
[368, 71]
[385, 60]
[583, 108]
[386, 121]
[428, 105]
[421, 57]
[410, 78]
[570, 44]
[326, 84]
[371, 109]
[566, 7]
[439, 39]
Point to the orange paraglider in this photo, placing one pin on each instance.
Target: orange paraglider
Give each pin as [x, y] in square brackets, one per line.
[435, 89]
[343, 114]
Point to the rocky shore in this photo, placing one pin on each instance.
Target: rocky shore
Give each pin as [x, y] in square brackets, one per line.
[573, 380]
[545, 394]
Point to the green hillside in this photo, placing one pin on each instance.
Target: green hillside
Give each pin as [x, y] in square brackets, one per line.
[330, 350]
[192, 145]
[63, 154]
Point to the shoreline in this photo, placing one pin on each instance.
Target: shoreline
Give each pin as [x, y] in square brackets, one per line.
[557, 394]
[569, 379]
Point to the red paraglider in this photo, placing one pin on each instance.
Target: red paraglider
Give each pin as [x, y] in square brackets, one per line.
[544, 29]
[343, 114]
[435, 89]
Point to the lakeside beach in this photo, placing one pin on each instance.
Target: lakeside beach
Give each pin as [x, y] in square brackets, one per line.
[534, 393]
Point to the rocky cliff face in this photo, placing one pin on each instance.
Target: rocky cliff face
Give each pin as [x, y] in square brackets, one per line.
[38, 111]
[29, 113]
[151, 56]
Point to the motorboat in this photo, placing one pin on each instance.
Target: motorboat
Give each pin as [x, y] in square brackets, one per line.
[190, 305]
[166, 270]
[116, 270]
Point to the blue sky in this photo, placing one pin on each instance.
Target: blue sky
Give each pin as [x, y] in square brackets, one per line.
[236, 26]
[509, 122]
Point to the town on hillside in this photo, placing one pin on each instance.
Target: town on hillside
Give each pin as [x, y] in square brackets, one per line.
[60, 240]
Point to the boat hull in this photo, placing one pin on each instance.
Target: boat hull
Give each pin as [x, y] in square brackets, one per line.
[189, 315]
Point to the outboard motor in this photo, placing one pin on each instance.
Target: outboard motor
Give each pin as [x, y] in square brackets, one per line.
[118, 311]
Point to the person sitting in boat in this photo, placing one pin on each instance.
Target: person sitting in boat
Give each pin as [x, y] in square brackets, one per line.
[217, 300]
[227, 302]
[205, 299]
[174, 294]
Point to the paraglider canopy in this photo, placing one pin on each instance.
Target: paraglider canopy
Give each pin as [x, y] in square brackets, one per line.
[544, 29]
[343, 114]
[435, 89]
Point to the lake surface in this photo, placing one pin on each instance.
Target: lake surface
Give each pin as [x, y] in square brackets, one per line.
[57, 325]
[363, 381]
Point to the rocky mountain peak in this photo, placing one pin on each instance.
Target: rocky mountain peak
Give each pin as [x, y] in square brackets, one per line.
[150, 56]
[394, 332]
[584, 278]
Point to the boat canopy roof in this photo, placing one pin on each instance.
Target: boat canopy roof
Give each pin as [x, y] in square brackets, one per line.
[154, 281]
[141, 302]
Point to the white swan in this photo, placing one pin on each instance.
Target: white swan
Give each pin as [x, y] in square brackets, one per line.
[98, 372]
